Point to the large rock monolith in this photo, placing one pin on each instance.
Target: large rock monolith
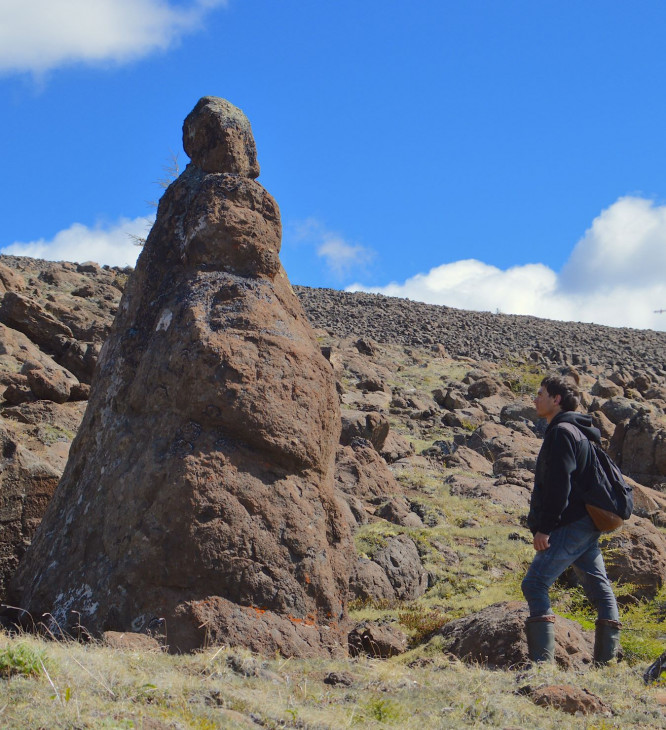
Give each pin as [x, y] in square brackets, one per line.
[199, 489]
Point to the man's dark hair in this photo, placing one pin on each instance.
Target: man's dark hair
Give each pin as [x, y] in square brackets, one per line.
[569, 396]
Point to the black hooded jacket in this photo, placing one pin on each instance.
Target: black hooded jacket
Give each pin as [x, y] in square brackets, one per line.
[555, 499]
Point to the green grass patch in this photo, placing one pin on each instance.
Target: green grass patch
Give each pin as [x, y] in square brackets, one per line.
[21, 659]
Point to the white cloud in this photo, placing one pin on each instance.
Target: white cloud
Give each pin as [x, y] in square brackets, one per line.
[616, 275]
[340, 256]
[113, 245]
[39, 35]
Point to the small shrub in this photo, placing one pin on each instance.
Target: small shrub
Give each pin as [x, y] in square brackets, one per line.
[383, 710]
[421, 623]
[20, 659]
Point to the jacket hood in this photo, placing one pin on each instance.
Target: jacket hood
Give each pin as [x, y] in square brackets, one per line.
[581, 421]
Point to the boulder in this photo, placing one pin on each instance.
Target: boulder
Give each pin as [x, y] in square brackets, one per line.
[396, 510]
[519, 410]
[10, 280]
[495, 637]
[636, 554]
[483, 388]
[468, 418]
[395, 447]
[504, 492]
[642, 446]
[378, 640]
[206, 455]
[469, 460]
[27, 316]
[372, 426]
[368, 582]
[51, 383]
[569, 699]
[618, 409]
[401, 562]
[361, 472]
[605, 388]
[492, 439]
[26, 485]
[649, 503]
[218, 138]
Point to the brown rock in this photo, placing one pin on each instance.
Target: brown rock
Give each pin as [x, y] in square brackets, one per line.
[380, 641]
[80, 358]
[483, 388]
[396, 510]
[468, 418]
[643, 450]
[52, 384]
[220, 621]
[80, 391]
[452, 399]
[401, 562]
[16, 349]
[619, 409]
[395, 447]
[605, 388]
[636, 554]
[207, 451]
[26, 486]
[27, 316]
[495, 637]
[649, 503]
[493, 439]
[506, 493]
[361, 472]
[569, 699]
[10, 280]
[604, 424]
[368, 582]
[371, 426]
[129, 641]
[465, 458]
[217, 137]
[17, 393]
[519, 410]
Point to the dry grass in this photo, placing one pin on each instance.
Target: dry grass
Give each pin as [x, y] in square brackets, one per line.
[473, 552]
[91, 686]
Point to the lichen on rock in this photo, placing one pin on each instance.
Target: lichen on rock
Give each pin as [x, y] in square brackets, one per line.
[199, 488]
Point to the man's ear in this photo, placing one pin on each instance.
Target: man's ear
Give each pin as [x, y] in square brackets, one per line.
[557, 399]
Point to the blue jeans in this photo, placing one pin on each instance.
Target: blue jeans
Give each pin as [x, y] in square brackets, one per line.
[574, 544]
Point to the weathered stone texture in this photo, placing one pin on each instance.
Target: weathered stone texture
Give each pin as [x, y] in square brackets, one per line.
[200, 486]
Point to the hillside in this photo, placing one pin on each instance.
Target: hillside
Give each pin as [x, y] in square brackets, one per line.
[433, 475]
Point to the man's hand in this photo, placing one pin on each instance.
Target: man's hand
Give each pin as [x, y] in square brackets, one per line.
[541, 541]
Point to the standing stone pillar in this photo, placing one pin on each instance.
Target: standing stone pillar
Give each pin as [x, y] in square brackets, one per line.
[199, 489]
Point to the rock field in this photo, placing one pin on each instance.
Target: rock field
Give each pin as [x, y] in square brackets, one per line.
[438, 435]
[197, 452]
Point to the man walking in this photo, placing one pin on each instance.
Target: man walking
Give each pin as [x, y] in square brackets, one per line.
[564, 533]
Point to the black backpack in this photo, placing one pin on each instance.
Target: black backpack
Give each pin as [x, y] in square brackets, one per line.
[607, 496]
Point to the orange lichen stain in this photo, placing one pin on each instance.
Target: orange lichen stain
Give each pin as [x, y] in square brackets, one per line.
[258, 610]
[309, 620]
[306, 578]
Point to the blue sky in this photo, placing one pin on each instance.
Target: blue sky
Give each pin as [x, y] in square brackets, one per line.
[484, 154]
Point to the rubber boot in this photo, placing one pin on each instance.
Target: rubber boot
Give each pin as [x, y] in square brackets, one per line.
[540, 631]
[606, 640]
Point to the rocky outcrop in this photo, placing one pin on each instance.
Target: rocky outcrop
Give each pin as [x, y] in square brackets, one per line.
[377, 640]
[495, 637]
[636, 554]
[640, 444]
[26, 486]
[199, 488]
